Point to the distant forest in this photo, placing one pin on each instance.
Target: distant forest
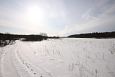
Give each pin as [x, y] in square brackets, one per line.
[6, 38]
[94, 35]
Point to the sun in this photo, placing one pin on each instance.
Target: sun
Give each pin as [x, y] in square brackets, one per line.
[34, 14]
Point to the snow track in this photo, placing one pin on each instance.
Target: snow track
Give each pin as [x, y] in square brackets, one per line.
[59, 58]
[7, 63]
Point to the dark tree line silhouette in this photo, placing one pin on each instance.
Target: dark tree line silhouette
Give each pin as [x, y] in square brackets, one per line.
[26, 37]
[6, 38]
[94, 35]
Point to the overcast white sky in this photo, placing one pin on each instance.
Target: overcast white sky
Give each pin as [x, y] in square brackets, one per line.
[57, 17]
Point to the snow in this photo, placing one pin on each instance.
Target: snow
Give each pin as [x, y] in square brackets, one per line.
[68, 57]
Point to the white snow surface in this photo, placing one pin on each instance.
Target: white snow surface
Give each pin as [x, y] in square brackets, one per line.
[68, 57]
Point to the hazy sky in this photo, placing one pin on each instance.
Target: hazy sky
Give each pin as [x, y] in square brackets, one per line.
[57, 17]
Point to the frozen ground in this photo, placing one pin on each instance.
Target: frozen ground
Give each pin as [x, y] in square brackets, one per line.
[59, 58]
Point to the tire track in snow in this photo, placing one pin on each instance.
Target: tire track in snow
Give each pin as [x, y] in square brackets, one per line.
[36, 70]
[7, 65]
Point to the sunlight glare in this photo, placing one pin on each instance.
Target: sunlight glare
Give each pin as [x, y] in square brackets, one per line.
[35, 14]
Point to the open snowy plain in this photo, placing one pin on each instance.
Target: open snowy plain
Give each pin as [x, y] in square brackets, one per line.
[68, 57]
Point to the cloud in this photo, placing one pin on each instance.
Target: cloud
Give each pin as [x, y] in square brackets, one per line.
[16, 17]
[60, 16]
[95, 19]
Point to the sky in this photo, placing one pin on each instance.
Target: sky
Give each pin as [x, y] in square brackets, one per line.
[57, 17]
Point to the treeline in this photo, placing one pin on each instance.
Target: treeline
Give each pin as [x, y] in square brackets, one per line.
[6, 38]
[94, 35]
[25, 37]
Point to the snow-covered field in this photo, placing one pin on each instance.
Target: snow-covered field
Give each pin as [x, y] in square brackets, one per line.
[59, 58]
